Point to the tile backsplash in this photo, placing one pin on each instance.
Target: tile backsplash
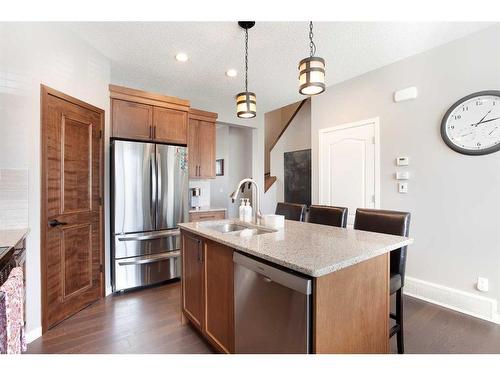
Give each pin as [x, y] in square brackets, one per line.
[13, 198]
[204, 185]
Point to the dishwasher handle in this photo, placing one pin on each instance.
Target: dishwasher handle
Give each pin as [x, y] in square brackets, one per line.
[272, 274]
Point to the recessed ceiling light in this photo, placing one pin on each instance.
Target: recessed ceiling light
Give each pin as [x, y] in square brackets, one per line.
[231, 73]
[181, 56]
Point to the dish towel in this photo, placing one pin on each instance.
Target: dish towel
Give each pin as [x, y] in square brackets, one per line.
[12, 339]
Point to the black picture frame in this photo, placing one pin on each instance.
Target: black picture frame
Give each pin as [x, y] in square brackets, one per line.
[448, 141]
[219, 167]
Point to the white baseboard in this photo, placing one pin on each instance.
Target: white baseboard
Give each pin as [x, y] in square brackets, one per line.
[33, 334]
[454, 299]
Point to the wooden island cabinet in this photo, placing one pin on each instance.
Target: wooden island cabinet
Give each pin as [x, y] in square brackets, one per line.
[207, 289]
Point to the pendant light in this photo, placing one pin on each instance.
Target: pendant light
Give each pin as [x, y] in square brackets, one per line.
[246, 102]
[311, 70]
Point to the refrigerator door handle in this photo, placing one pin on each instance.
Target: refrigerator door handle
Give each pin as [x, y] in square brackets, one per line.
[153, 186]
[162, 234]
[153, 259]
[159, 195]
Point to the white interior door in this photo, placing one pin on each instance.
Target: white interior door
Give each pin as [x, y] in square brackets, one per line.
[349, 166]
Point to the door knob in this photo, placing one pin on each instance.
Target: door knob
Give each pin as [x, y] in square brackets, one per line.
[55, 223]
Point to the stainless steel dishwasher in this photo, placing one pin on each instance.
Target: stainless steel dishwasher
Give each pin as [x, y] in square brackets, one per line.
[272, 308]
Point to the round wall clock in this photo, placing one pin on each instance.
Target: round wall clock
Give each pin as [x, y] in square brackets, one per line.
[472, 125]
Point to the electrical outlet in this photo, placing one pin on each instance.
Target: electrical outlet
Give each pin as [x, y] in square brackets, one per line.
[403, 187]
[482, 284]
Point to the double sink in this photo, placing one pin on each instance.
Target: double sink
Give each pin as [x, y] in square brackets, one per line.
[240, 230]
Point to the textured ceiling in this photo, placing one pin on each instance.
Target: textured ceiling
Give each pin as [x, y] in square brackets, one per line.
[142, 55]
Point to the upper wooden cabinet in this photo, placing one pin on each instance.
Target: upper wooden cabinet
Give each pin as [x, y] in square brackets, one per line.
[131, 120]
[170, 125]
[141, 115]
[201, 143]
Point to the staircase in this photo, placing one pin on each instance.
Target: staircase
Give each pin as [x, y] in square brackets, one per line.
[276, 123]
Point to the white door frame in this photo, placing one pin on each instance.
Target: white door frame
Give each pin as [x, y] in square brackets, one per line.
[322, 132]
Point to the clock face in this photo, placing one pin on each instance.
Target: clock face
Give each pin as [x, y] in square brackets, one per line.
[472, 125]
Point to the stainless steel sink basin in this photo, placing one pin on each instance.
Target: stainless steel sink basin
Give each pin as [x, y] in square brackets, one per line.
[227, 228]
[248, 232]
[240, 230]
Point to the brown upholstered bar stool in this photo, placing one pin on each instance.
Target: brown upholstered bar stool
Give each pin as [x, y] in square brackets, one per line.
[390, 222]
[291, 211]
[328, 215]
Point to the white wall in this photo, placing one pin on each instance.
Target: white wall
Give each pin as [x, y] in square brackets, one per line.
[454, 199]
[33, 54]
[296, 137]
[234, 145]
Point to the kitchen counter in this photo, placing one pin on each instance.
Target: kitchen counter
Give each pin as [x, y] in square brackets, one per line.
[10, 237]
[312, 249]
[206, 209]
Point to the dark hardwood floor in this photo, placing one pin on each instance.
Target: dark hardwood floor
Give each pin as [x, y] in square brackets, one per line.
[148, 321]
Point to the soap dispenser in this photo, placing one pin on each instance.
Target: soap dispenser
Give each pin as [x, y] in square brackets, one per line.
[242, 209]
[248, 211]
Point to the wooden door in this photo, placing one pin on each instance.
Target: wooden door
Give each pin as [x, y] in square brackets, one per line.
[192, 279]
[71, 201]
[170, 125]
[219, 297]
[131, 120]
[193, 145]
[206, 149]
[348, 165]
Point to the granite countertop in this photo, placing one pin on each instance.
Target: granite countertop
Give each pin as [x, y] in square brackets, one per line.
[206, 209]
[10, 237]
[312, 249]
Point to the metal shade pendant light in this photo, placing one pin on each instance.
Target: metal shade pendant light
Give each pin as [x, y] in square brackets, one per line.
[246, 102]
[311, 70]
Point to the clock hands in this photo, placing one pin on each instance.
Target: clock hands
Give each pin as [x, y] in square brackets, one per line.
[480, 121]
[483, 122]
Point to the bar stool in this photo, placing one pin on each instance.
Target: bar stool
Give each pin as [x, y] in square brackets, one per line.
[397, 223]
[291, 211]
[328, 215]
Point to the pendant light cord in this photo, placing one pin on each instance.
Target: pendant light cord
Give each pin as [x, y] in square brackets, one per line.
[246, 60]
[312, 46]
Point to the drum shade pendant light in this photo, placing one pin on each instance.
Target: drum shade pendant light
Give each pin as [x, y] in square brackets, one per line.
[311, 70]
[246, 102]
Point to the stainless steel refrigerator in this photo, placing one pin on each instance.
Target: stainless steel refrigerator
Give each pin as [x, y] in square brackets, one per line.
[149, 197]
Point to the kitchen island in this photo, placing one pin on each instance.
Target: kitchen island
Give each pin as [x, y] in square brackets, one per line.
[348, 269]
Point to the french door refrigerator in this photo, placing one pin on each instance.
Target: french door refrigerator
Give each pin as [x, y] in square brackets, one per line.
[149, 197]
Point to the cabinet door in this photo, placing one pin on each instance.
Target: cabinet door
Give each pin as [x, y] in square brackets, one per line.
[193, 153]
[170, 125]
[192, 279]
[132, 120]
[206, 147]
[219, 298]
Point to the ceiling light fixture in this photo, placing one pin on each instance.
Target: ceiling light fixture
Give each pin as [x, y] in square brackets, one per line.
[246, 102]
[311, 70]
[181, 56]
[231, 73]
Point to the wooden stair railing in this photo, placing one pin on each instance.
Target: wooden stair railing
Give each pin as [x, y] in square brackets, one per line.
[268, 179]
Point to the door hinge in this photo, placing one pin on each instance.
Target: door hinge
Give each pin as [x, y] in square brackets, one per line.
[373, 198]
[100, 201]
[101, 268]
[100, 134]
[373, 140]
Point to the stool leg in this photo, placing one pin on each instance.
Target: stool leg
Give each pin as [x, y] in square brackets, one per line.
[399, 320]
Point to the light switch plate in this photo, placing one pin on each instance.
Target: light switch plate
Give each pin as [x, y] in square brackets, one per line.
[405, 175]
[403, 187]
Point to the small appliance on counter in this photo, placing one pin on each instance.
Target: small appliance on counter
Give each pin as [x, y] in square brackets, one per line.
[195, 198]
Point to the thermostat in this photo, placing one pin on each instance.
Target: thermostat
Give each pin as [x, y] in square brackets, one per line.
[402, 160]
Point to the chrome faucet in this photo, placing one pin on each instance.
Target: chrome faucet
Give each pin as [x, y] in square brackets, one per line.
[234, 195]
